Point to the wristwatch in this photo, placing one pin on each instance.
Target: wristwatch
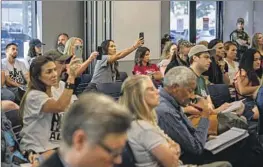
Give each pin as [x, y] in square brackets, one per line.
[69, 85]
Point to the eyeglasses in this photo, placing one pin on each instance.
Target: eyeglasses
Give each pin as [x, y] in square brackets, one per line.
[114, 153]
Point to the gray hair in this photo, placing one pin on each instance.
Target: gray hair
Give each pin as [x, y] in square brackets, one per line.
[181, 76]
[97, 115]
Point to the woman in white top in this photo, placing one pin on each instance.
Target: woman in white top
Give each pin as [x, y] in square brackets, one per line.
[169, 50]
[40, 110]
[150, 145]
[231, 53]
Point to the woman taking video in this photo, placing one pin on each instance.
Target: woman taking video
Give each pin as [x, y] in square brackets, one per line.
[41, 112]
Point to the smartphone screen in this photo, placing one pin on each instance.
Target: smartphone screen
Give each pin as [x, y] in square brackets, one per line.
[78, 51]
[141, 35]
[99, 49]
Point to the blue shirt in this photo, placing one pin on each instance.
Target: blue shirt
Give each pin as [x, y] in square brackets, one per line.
[178, 127]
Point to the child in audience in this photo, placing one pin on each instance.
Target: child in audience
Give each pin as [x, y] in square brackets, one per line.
[41, 111]
[144, 67]
[150, 145]
[169, 50]
[247, 81]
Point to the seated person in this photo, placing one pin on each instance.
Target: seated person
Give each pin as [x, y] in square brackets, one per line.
[218, 70]
[200, 61]
[6, 94]
[180, 58]
[41, 111]
[247, 80]
[15, 70]
[150, 145]
[70, 50]
[179, 85]
[106, 69]
[60, 61]
[168, 51]
[94, 134]
[144, 67]
[35, 49]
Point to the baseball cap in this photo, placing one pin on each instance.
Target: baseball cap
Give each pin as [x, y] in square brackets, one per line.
[240, 20]
[36, 42]
[200, 49]
[56, 55]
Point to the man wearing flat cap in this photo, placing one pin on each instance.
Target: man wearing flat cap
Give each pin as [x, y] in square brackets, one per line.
[240, 37]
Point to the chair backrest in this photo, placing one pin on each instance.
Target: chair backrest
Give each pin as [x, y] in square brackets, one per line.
[123, 76]
[112, 89]
[219, 94]
[86, 78]
[17, 122]
[128, 159]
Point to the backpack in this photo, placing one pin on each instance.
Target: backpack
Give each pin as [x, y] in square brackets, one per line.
[10, 151]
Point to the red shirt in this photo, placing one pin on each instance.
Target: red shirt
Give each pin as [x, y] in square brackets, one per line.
[145, 70]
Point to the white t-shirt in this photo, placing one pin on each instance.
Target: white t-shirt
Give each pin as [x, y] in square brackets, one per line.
[232, 70]
[41, 131]
[142, 138]
[16, 72]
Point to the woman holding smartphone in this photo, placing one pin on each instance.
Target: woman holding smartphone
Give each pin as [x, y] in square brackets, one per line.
[106, 69]
[74, 46]
[40, 110]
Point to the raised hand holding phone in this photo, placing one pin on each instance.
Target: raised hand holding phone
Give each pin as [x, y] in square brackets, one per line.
[78, 51]
[99, 49]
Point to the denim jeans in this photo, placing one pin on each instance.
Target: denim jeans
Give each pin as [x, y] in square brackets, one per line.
[7, 94]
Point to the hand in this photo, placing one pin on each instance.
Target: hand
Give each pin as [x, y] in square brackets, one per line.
[175, 147]
[222, 64]
[93, 55]
[223, 107]
[203, 103]
[191, 110]
[138, 43]
[74, 65]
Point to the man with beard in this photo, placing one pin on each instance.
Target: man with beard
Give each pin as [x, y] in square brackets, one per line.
[61, 42]
[218, 70]
[15, 70]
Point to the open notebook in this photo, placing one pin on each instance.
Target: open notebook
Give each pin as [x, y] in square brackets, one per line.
[234, 106]
[226, 139]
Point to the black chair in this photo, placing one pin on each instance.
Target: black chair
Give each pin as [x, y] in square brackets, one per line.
[123, 76]
[128, 159]
[17, 122]
[112, 89]
[219, 94]
[86, 78]
[84, 81]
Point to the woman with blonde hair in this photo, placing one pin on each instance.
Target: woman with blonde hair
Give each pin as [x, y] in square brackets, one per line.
[70, 49]
[257, 42]
[150, 145]
[168, 51]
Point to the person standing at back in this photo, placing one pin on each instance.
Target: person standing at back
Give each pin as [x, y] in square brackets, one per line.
[240, 37]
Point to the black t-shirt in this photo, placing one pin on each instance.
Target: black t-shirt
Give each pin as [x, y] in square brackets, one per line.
[214, 72]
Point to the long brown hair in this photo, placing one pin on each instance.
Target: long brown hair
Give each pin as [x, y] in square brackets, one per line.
[34, 75]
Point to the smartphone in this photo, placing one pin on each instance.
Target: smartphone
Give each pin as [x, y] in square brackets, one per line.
[141, 35]
[99, 49]
[78, 51]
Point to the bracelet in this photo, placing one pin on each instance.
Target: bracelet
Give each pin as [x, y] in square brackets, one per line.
[69, 85]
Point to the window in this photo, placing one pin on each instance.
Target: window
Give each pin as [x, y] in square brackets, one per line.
[179, 20]
[205, 21]
[18, 24]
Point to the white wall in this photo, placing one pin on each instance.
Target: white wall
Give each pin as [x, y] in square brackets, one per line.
[61, 16]
[132, 17]
[251, 12]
